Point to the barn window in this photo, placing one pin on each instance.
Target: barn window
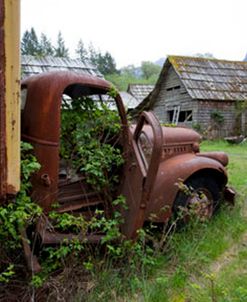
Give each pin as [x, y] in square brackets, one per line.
[173, 88]
[184, 116]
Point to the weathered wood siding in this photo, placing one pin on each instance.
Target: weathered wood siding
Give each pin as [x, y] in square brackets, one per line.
[167, 100]
[232, 124]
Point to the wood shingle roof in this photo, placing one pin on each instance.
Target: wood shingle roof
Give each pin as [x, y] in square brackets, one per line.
[31, 65]
[140, 91]
[211, 79]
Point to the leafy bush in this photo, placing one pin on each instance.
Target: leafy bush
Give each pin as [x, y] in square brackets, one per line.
[89, 141]
[18, 213]
[90, 146]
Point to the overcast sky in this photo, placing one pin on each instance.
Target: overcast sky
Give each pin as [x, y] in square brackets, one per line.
[143, 30]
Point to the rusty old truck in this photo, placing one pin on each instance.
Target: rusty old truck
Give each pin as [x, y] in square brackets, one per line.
[156, 160]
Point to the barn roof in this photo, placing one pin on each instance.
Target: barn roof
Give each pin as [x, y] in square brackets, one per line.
[204, 79]
[211, 79]
[33, 65]
[129, 101]
[140, 91]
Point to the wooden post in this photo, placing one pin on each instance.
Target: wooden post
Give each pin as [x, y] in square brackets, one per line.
[10, 97]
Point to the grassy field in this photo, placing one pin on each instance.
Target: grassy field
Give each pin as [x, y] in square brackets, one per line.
[203, 263]
[207, 262]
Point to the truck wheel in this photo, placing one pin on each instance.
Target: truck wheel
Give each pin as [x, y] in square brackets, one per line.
[198, 198]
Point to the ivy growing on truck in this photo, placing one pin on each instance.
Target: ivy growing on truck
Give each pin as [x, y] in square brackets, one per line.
[89, 146]
[90, 141]
[17, 214]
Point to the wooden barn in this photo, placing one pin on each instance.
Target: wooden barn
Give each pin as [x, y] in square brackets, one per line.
[207, 94]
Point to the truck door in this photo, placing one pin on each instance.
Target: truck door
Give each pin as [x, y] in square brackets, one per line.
[140, 172]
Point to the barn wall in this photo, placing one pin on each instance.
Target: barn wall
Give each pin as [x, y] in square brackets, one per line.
[209, 123]
[168, 98]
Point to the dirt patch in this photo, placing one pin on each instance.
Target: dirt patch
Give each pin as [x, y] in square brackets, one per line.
[232, 252]
[229, 255]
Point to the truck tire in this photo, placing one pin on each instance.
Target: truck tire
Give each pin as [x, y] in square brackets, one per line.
[200, 197]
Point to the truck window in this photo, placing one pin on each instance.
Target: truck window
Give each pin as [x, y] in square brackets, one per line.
[145, 148]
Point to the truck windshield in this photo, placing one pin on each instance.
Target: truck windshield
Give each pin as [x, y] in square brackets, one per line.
[145, 148]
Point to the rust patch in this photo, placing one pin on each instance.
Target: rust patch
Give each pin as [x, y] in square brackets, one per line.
[11, 190]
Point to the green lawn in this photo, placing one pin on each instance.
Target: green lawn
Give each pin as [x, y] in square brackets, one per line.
[207, 262]
[237, 162]
[204, 262]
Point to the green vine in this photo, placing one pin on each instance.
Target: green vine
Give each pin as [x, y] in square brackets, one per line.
[18, 213]
[217, 116]
[90, 141]
[90, 146]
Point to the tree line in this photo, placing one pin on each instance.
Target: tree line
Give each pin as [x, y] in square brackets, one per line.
[42, 46]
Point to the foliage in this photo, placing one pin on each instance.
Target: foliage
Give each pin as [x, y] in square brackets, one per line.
[81, 51]
[192, 254]
[30, 44]
[88, 128]
[181, 267]
[217, 116]
[146, 74]
[197, 126]
[104, 61]
[131, 71]
[46, 48]
[84, 121]
[121, 81]
[170, 125]
[7, 274]
[89, 143]
[240, 109]
[61, 50]
[19, 213]
[150, 69]
[156, 267]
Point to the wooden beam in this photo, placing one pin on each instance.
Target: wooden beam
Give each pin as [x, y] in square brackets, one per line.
[12, 93]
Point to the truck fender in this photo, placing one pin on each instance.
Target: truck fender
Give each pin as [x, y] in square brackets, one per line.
[173, 171]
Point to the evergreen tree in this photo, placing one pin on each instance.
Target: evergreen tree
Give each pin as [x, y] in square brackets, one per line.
[81, 51]
[93, 54]
[61, 50]
[104, 62]
[46, 47]
[30, 43]
[110, 64]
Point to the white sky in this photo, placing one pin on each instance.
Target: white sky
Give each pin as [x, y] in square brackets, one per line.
[143, 30]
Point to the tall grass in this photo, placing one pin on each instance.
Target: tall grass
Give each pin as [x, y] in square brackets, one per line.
[184, 271]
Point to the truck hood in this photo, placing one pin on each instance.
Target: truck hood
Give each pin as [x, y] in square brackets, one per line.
[172, 135]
